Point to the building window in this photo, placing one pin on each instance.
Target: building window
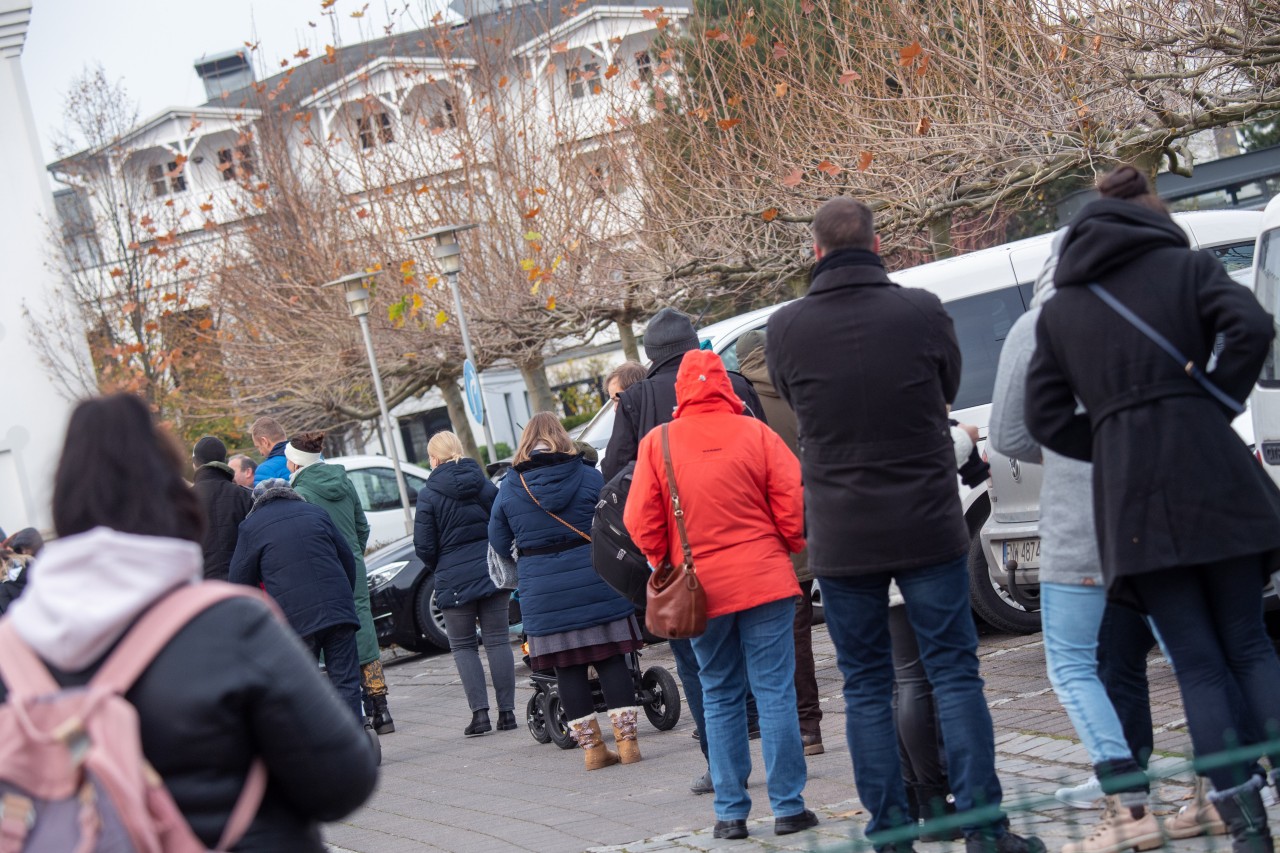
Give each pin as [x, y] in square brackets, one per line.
[374, 129]
[584, 80]
[166, 180]
[235, 162]
[444, 118]
[644, 66]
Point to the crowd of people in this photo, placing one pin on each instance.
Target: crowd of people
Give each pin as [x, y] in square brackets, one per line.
[836, 462]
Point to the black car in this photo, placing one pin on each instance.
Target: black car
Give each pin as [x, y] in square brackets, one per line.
[403, 597]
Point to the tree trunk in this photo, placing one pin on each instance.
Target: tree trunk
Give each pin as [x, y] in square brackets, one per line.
[535, 379]
[627, 334]
[458, 417]
[940, 237]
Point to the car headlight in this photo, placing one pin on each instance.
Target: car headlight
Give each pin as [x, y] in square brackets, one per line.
[385, 574]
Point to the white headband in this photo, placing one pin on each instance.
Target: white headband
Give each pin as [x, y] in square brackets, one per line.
[300, 457]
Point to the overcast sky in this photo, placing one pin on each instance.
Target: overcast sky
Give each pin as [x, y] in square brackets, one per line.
[152, 45]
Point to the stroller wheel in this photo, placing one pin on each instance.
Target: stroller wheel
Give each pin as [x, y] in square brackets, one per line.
[535, 714]
[558, 723]
[662, 707]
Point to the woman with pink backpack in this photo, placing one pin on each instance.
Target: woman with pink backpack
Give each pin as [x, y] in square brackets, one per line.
[211, 689]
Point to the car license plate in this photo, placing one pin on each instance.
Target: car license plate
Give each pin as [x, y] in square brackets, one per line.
[1025, 551]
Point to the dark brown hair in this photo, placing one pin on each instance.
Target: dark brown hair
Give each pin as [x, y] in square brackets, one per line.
[628, 373]
[543, 428]
[844, 223]
[120, 470]
[1128, 184]
[308, 442]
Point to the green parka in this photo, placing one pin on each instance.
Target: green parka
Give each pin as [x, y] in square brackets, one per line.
[327, 486]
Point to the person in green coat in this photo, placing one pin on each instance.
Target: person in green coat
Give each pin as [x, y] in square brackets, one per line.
[328, 486]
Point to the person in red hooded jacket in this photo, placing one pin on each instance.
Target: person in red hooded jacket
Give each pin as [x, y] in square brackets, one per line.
[740, 490]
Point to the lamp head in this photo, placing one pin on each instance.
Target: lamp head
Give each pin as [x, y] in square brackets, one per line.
[447, 251]
[356, 289]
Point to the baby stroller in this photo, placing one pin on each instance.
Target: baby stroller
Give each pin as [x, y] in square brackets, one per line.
[656, 692]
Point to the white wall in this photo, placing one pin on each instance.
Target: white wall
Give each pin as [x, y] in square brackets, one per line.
[32, 413]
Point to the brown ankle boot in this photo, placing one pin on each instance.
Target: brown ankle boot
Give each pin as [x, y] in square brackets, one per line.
[586, 731]
[1120, 829]
[1198, 817]
[624, 733]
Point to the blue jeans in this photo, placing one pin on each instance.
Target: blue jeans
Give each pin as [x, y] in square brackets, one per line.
[1071, 615]
[937, 603]
[758, 643]
[687, 670]
[341, 662]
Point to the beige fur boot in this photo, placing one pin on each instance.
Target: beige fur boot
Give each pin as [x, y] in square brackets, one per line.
[1198, 817]
[586, 731]
[1119, 829]
[624, 732]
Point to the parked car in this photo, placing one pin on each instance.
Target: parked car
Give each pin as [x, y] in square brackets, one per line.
[984, 292]
[403, 597]
[1265, 400]
[375, 481]
[1008, 546]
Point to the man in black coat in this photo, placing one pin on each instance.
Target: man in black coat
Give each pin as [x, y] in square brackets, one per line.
[649, 403]
[870, 369]
[224, 503]
[297, 553]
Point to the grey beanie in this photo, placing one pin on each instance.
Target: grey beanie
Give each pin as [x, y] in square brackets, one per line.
[670, 333]
[748, 343]
[209, 449]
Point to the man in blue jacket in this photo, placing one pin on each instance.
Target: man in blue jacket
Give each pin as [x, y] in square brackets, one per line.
[269, 438]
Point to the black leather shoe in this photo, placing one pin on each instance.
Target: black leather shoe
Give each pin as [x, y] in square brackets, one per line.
[479, 723]
[795, 823]
[984, 841]
[506, 721]
[730, 829]
[702, 785]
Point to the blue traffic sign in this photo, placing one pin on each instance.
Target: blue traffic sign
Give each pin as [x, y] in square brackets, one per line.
[471, 382]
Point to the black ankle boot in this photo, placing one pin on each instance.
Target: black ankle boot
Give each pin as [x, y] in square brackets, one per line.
[1242, 810]
[932, 803]
[479, 723]
[506, 721]
[382, 722]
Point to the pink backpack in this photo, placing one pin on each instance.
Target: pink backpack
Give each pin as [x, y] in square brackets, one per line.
[72, 774]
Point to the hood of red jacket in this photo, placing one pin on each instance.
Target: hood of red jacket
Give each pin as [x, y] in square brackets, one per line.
[703, 387]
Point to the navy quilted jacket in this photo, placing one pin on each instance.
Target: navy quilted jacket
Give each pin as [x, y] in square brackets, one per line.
[560, 591]
[451, 531]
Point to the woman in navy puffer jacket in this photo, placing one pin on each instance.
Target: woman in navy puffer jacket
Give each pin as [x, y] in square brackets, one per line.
[451, 537]
[573, 618]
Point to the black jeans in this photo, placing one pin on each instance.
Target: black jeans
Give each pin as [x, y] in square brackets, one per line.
[1210, 618]
[1124, 641]
[574, 686]
[924, 769]
[341, 662]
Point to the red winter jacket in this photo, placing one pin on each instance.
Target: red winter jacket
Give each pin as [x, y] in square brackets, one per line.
[739, 486]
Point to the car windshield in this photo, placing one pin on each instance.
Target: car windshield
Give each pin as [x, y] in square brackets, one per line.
[597, 432]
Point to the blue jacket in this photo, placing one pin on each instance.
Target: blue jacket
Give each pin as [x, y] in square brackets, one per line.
[275, 465]
[451, 531]
[559, 591]
[295, 550]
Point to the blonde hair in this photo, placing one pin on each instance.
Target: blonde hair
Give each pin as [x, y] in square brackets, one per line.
[543, 428]
[445, 446]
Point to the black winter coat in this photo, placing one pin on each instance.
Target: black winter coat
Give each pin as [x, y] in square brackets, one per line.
[869, 368]
[651, 402]
[295, 550]
[1173, 484]
[234, 684]
[451, 531]
[225, 505]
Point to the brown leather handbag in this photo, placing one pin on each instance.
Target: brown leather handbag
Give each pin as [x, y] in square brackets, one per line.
[677, 603]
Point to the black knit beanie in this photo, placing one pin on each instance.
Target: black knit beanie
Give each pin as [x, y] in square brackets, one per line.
[669, 334]
[209, 449]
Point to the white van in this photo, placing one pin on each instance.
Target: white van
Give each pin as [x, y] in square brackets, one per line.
[1264, 403]
[985, 292]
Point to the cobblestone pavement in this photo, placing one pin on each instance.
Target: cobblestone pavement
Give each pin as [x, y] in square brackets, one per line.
[440, 791]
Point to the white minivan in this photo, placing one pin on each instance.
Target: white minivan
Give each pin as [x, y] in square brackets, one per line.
[984, 292]
[1264, 403]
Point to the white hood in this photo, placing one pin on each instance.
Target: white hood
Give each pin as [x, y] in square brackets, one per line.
[89, 588]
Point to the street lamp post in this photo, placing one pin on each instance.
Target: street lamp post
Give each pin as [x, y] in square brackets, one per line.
[356, 288]
[449, 254]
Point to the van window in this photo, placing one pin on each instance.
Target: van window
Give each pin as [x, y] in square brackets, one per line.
[982, 323]
[1267, 289]
[1236, 256]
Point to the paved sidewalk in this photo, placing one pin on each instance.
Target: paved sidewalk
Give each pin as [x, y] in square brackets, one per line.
[440, 791]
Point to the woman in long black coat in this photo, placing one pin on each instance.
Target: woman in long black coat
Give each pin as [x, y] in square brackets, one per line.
[1188, 523]
[451, 537]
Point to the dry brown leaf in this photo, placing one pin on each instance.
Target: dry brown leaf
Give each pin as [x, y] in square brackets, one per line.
[830, 168]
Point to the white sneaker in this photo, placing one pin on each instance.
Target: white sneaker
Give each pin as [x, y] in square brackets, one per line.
[1084, 796]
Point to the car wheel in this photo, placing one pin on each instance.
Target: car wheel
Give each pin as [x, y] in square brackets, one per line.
[993, 603]
[430, 616]
[558, 724]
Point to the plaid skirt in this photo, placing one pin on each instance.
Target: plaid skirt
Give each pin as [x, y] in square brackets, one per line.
[585, 645]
